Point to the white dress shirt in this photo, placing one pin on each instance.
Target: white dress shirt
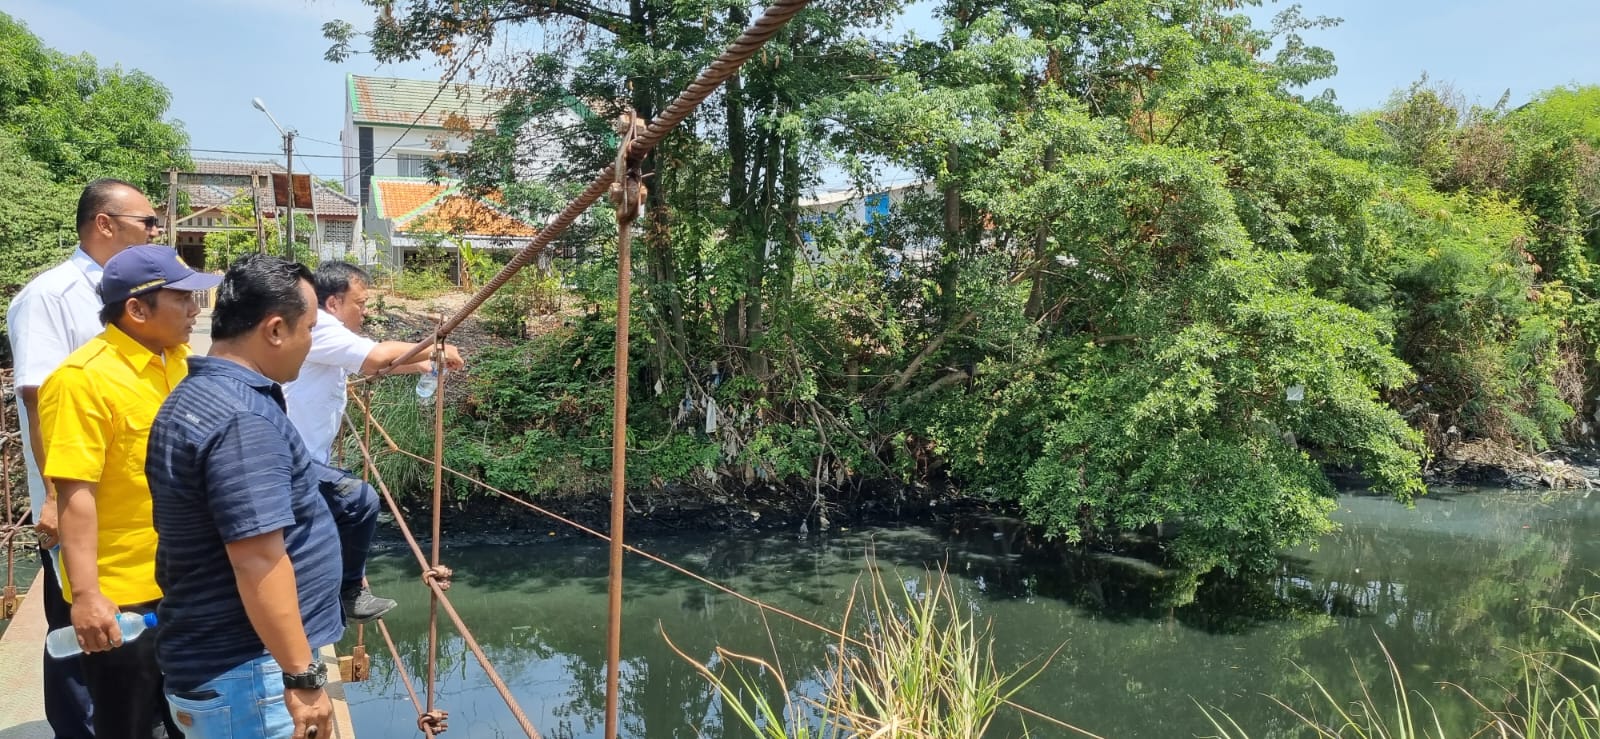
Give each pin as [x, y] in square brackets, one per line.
[317, 398]
[53, 315]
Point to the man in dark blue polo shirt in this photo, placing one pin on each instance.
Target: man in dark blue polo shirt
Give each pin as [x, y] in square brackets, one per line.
[248, 557]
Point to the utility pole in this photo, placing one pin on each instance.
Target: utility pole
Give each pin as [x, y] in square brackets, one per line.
[288, 161]
[288, 158]
[172, 208]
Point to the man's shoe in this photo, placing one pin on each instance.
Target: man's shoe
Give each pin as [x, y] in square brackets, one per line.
[362, 606]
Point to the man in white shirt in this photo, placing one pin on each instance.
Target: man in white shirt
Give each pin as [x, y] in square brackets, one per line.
[316, 403]
[51, 317]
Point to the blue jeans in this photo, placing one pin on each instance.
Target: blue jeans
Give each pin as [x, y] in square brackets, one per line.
[354, 505]
[245, 702]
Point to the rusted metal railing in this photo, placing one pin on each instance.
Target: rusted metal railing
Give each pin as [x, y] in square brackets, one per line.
[8, 533]
[437, 578]
[627, 194]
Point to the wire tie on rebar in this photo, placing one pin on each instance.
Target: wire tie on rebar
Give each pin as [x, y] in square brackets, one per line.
[433, 722]
[438, 574]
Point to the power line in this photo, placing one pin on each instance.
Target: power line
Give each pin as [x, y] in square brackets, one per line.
[201, 150]
[329, 143]
[454, 70]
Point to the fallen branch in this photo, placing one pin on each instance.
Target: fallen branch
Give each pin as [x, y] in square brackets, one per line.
[946, 381]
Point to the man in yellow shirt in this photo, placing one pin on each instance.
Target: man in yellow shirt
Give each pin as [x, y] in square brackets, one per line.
[96, 411]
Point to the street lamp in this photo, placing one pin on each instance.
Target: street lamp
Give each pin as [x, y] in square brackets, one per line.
[288, 159]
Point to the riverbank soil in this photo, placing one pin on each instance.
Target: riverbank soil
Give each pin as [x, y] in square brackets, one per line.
[1486, 462]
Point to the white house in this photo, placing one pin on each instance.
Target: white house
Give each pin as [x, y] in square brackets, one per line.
[394, 127]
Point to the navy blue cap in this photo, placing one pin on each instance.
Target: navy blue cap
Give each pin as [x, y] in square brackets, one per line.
[137, 270]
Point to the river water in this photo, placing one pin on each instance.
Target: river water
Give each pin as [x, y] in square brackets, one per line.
[1451, 587]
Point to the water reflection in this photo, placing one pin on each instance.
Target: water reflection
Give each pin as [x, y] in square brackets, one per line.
[1448, 587]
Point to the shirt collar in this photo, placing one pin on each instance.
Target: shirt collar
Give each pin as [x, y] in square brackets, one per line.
[86, 264]
[137, 355]
[229, 369]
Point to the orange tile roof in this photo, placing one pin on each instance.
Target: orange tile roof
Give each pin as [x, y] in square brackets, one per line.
[425, 206]
[399, 197]
[466, 215]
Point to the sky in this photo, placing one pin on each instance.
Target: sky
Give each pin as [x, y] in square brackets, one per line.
[215, 55]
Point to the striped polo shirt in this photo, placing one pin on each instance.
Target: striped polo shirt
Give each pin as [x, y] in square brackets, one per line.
[225, 464]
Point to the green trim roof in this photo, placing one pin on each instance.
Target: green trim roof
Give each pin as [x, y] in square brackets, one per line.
[398, 102]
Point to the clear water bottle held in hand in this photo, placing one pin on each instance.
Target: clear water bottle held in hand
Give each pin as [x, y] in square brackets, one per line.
[63, 642]
[427, 383]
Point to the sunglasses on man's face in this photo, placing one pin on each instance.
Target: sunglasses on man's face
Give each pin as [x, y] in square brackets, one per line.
[150, 222]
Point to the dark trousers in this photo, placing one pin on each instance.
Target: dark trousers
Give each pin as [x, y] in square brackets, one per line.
[354, 505]
[66, 698]
[125, 684]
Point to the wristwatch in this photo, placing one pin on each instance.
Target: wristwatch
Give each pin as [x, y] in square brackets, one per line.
[312, 679]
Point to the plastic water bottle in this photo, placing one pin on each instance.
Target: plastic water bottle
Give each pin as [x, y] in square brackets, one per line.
[427, 383]
[63, 642]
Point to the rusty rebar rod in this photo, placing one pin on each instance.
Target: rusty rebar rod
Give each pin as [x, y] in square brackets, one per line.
[399, 665]
[734, 56]
[438, 490]
[8, 595]
[625, 193]
[438, 591]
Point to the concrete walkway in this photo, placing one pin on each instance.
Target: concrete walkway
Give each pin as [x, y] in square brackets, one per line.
[21, 651]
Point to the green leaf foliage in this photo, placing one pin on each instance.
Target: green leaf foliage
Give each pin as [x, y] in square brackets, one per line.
[1140, 280]
[63, 122]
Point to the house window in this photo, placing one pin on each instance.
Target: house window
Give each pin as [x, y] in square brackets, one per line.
[412, 165]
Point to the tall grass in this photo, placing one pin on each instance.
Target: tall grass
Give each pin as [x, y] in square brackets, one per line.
[923, 667]
[395, 406]
[1558, 698]
[420, 283]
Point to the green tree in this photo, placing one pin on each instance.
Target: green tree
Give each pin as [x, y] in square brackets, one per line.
[1145, 281]
[36, 217]
[63, 122]
[223, 247]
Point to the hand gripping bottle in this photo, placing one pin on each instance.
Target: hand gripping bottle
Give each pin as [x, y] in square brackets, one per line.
[63, 642]
[427, 383]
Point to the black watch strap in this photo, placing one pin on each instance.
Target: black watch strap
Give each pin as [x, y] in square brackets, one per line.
[311, 679]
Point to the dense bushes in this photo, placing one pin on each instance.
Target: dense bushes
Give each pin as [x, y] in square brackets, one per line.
[1144, 280]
